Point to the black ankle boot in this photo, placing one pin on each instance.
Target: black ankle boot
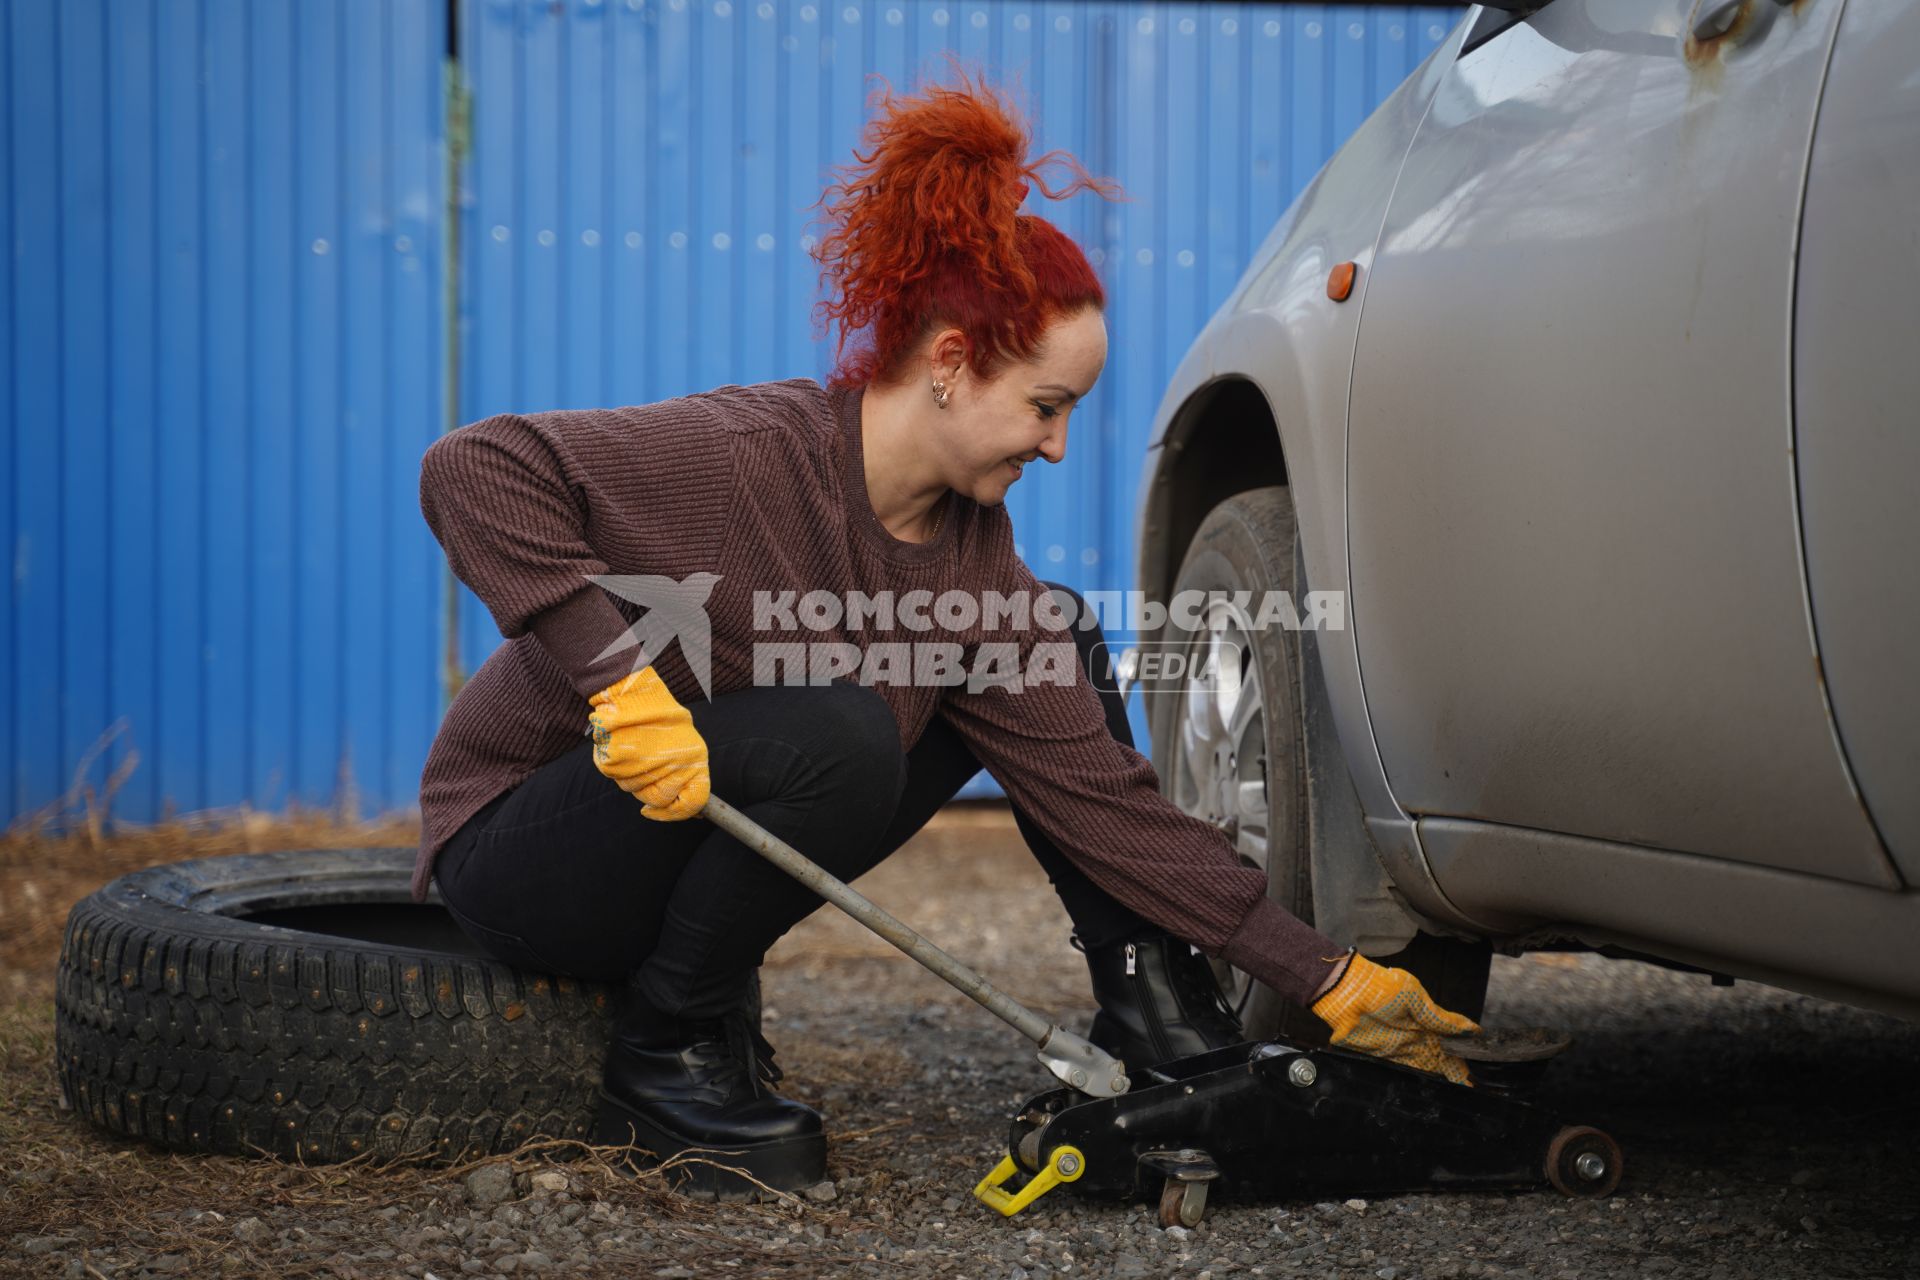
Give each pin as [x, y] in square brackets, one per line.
[1158, 1001]
[674, 1085]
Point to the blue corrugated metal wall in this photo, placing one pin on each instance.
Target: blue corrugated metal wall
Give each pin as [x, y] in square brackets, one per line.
[222, 350]
[223, 344]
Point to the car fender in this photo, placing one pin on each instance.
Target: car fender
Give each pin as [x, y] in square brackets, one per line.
[1283, 336]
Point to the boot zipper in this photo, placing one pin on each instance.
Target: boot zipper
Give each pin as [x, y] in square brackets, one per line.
[1149, 1012]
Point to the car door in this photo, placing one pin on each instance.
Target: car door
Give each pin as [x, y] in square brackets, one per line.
[1577, 594]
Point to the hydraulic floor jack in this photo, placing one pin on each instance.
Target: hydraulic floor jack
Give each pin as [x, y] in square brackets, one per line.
[1267, 1118]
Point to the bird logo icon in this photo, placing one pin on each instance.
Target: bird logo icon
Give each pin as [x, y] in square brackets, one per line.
[674, 608]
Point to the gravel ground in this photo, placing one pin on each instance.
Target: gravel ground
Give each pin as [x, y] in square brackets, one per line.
[1766, 1134]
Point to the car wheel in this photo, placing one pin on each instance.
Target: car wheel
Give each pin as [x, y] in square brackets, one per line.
[299, 1004]
[1230, 744]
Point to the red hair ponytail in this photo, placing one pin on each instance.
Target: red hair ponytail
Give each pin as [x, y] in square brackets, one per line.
[926, 229]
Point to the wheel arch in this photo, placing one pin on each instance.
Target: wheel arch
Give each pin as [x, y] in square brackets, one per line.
[1222, 440]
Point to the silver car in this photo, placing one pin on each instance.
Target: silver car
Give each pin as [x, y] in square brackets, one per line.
[1588, 371]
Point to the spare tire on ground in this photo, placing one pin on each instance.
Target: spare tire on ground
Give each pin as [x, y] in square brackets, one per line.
[299, 1004]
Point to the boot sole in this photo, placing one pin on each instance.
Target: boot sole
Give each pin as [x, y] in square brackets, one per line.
[784, 1164]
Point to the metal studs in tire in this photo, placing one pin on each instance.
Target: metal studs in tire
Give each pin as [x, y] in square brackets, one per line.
[298, 1004]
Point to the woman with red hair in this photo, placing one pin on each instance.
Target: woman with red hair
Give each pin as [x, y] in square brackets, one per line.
[818, 568]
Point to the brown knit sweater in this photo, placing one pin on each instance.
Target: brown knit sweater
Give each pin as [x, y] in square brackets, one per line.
[765, 486]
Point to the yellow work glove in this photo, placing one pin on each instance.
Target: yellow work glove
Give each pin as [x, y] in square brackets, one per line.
[1386, 1013]
[646, 742]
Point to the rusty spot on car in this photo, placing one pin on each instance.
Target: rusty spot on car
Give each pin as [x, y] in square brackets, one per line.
[1340, 282]
[1705, 55]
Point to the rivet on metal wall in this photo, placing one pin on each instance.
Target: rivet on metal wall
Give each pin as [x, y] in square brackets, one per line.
[979, 19]
[1186, 26]
[500, 234]
[546, 238]
[850, 14]
[763, 242]
[320, 247]
[678, 239]
[633, 239]
[1271, 30]
[895, 17]
[1228, 27]
[807, 13]
[1056, 552]
[1144, 257]
[1186, 257]
[1063, 23]
[590, 237]
[1145, 26]
[939, 17]
[764, 12]
[721, 240]
[1021, 22]
[1313, 31]
[722, 9]
[1090, 555]
[402, 244]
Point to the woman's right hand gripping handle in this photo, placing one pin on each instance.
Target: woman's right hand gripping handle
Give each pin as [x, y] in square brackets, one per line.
[645, 741]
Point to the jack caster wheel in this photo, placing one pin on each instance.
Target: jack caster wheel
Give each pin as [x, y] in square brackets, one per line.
[1584, 1163]
[1183, 1204]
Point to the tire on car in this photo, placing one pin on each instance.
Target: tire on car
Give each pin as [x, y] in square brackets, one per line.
[298, 1004]
[1233, 749]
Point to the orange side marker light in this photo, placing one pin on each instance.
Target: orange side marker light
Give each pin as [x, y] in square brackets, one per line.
[1340, 281]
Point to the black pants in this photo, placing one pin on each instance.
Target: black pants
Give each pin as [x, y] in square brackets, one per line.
[564, 874]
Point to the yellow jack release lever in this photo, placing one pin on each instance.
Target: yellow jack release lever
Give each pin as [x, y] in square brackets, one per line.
[1065, 1165]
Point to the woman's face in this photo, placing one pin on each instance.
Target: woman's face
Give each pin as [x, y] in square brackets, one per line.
[992, 430]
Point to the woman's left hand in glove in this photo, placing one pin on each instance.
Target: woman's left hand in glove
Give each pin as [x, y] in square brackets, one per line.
[1387, 1013]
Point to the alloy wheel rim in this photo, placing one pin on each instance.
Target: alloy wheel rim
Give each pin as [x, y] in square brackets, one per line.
[1220, 749]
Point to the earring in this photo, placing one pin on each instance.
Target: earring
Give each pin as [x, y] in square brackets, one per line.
[940, 394]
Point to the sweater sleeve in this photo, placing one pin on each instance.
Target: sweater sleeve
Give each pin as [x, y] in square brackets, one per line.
[1098, 800]
[513, 501]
